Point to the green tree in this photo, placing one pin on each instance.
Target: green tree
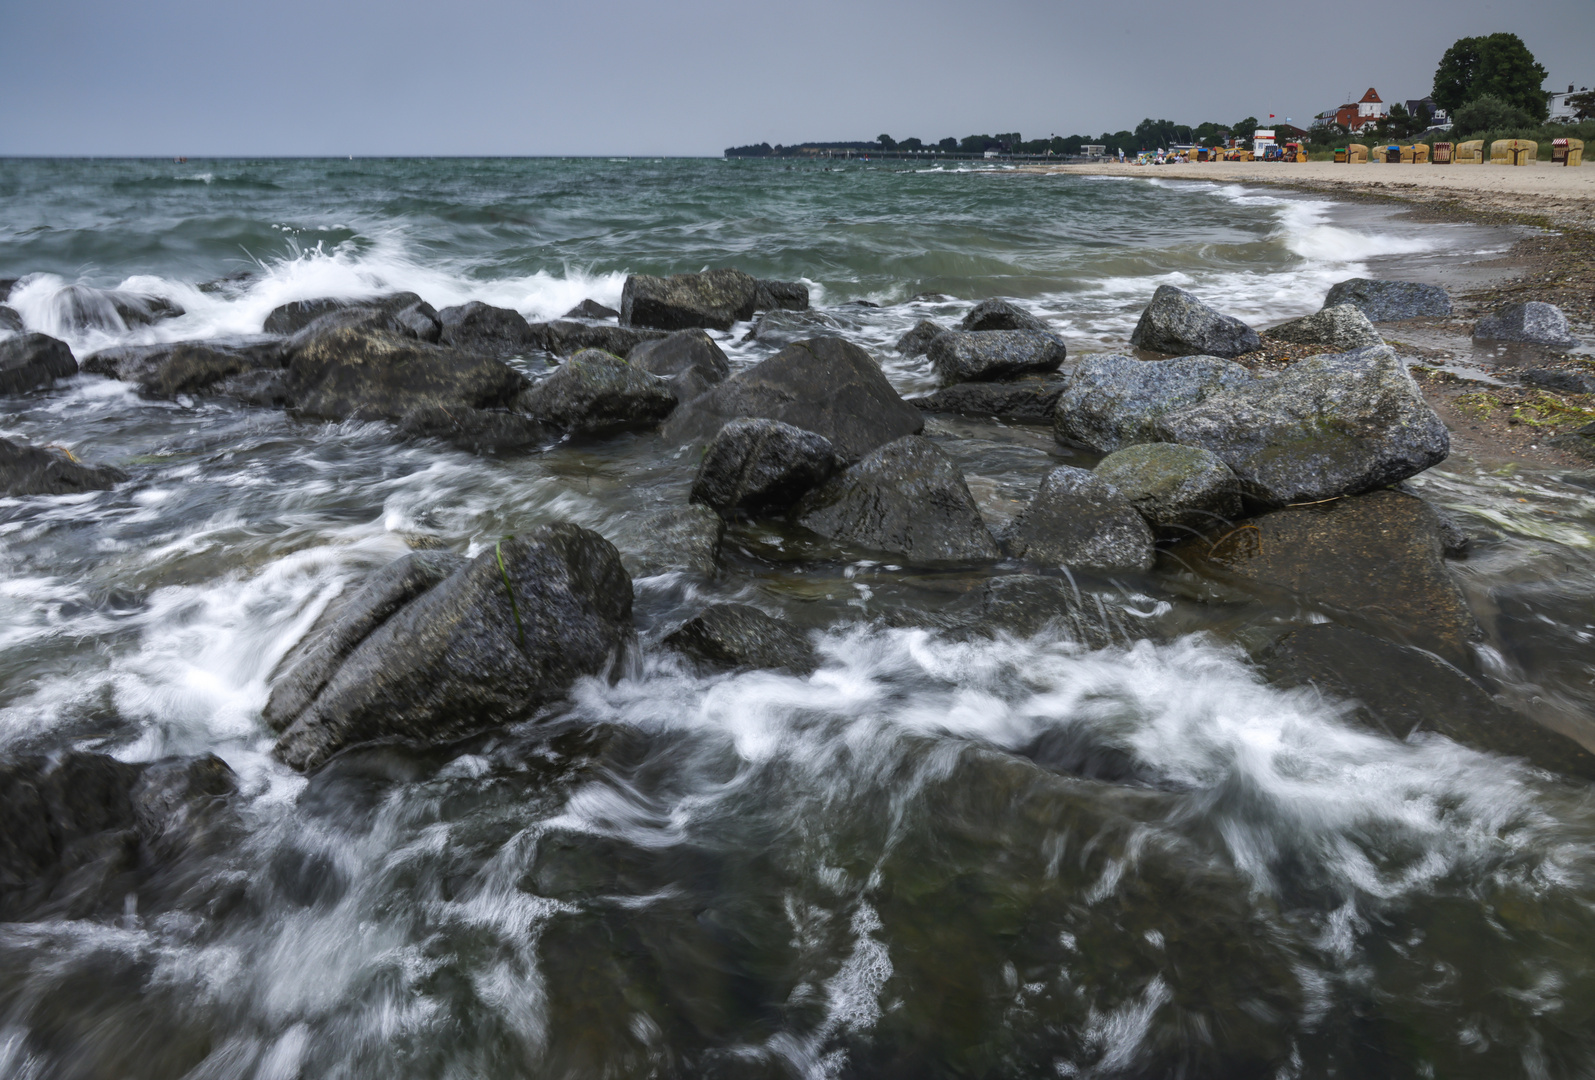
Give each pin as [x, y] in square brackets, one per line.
[910, 144]
[1246, 128]
[1583, 105]
[1499, 65]
[887, 142]
[1488, 113]
[948, 145]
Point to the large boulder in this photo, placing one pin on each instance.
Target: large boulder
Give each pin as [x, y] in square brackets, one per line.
[565, 338]
[713, 300]
[1178, 323]
[990, 355]
[1390, 301]
[907, 498]
[756, 466]
[292, 317]
[595, 392]
[998, 314]
[1404, 691]
[824, 385]
[1376, 561]
[33, 361]
[500, 638]
[350, 371]
[1083, 522]
[10, 320]
[481, 431]
[780, 295]
[676, 539]
[739, 636]
[1341, 328]
[481, 328]
[1113, 401]
[1533, 323]
[689, 360]
[47, 470]
[1179, 490]
[1327, 426]
[916, 342]
[185, 367]
[83, 307]
[1030, 400]
[779, 329]
[406, 315]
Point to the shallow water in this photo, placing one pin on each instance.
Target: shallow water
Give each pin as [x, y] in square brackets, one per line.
[883, 869]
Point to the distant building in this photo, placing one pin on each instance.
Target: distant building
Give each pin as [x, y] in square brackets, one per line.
[1438, 117]
[1357, 115]
[1094, 150]
[1561, 111]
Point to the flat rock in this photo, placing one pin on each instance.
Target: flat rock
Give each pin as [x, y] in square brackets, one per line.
[999, 314]
[569, 338]
[771, 295]
[907, 498]
[292, 317]
[500, 638]
[1030, 400]
[1341, 328]
[739, 636]
[1375, 561]
[374, 374]
[185, 367]
[1178, 323]
[491, 331]
[677, 539]
[713, 300]
[757, 466]
[1533, 322]
[991, 355]
[1403, 691]
[917, 341]
[781, 328]
[47, 470]
[824, 385]
[1083, 522]
[1113, 401]
[1329, 425]
[481, 431]
[689, 360]
[1568, 382]
[591, 309]
[1179, 490]
[33, 362]
[595, 392]
[1390, 301]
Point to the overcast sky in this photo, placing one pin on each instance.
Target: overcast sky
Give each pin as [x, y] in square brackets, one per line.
[212, 77]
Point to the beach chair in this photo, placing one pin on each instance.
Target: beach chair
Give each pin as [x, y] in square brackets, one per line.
[1408, 155]
[1442, 153]
[1567, 151]
[1341, 156]
[1469, 153]
[1420, 153]
[1357, 154]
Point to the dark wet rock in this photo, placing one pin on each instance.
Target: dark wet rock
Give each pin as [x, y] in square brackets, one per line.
[47, 470]
[1341, 328]
[825, 385]
[1177, 489]
[678, 539]
[1083, 522]
[481, 431]
[595, 392]
[1329, 425]
[712, 300]
[6, 285]
[591, 309]
[33, 361]
[998, 314]
[265, 387]
[1178, 323]
[781, 328]
[780, 295]
[10, 320]
[1533, 323]
[1113, 401]
[1390, 301]
[402, 314]
[917, 341]
[1403, 691]
[739, 636]
[1580, 441]
[1375, 561]
[302, 674]
[481, 328]
[907, 498]
[187, 367]
[991, 355]
[228, 284]
[367, 374]
[1030, 400]
[689, 360]
[757, 466]
[500, 638]
[143, 309]
[1027, 604]
[569, 338]
[1560, 379]
[81, 833]
[294, 316]
[83, 307]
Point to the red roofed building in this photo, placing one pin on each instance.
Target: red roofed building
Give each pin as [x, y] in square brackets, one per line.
[1369, 110]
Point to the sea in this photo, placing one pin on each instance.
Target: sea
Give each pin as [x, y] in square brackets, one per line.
[875, 870]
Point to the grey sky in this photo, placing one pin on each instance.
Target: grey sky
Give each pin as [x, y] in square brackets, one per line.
[209, 77]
